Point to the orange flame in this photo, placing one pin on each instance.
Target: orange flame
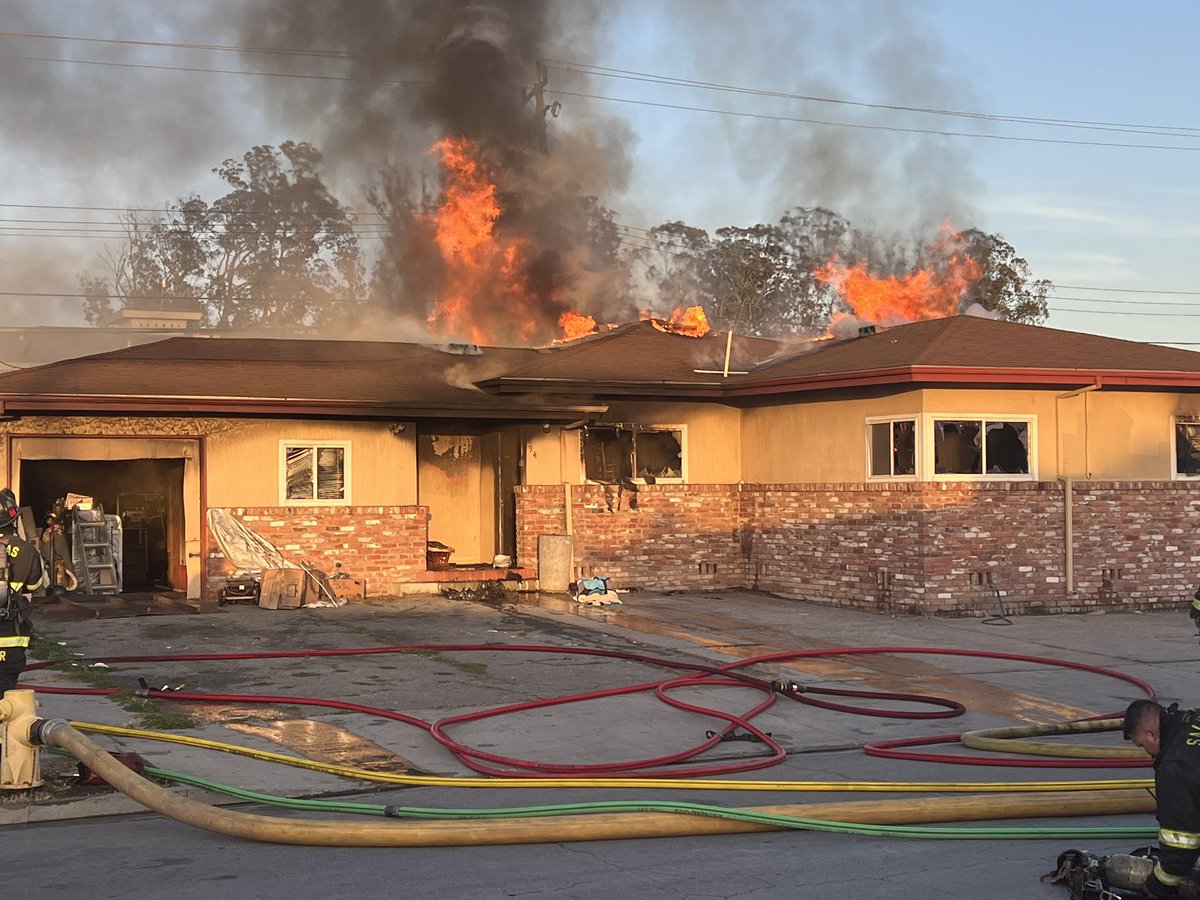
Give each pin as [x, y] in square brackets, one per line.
[576, 325]
[482, 297]
[925, 294]
[691, 322]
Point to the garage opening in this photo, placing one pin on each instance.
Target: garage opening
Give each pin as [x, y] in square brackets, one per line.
[147, 495]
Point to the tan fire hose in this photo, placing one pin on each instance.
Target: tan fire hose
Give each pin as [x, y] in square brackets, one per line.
[558, 829]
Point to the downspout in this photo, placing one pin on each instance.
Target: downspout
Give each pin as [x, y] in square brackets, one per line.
[1067, 482]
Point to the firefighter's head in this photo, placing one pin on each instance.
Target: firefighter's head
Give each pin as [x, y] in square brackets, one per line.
[1143, 723]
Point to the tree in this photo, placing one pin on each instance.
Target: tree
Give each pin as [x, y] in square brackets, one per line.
[675, 265]
[1006, 284]
[757, 285]
[278, 249]
[281, 246]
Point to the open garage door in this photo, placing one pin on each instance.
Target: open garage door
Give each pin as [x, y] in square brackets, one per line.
[152, 484]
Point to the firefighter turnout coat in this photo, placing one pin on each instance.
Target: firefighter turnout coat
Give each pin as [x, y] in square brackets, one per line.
[23, 566]
[1177, 788]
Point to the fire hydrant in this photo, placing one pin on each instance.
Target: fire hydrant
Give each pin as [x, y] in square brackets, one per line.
[20, 762]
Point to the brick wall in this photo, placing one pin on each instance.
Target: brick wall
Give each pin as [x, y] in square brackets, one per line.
[945, 548]
[669, 537]
[384, 545]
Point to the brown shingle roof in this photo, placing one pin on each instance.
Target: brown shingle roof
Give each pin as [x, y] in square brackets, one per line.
[196, 373]
[642, 355]
[972, 342]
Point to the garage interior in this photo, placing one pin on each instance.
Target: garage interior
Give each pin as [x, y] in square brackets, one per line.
[147, 495]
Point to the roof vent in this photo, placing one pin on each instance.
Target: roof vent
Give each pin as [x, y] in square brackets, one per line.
[462, 349]
[865, 330]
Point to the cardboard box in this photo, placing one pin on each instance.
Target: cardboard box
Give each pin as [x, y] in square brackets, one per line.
[349, 588]
[283, 588]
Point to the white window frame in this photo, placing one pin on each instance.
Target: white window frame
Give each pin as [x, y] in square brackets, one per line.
[918, 432]
[1176, 421]
[640, 427]
[927, 456]
[285, 445]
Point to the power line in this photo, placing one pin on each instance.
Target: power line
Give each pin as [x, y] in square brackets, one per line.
[610, 72]
[864, 126]
[176, 45]
[1078, 287]
[588, 69]
[122, 65]
[1157, 130]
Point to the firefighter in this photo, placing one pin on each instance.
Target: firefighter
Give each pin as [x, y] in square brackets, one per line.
[23, 573]
[1172, 737]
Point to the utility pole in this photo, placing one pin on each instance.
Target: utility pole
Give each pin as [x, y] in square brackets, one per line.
[540, 109]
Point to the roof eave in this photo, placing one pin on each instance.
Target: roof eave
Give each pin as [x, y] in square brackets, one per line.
[968, 376]
[191, 406]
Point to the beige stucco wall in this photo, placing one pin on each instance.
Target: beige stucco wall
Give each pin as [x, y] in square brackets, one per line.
[243, 461]
[1105, 435]
[813, 442]
[713, 452]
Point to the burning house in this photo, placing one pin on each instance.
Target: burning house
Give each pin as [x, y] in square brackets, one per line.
[942, 466]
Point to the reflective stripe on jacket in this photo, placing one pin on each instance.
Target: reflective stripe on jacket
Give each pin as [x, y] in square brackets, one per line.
[19, 640]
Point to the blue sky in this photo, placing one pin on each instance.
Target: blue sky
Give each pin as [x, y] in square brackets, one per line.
[1114, 227]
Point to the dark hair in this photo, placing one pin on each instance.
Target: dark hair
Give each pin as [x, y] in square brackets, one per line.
[1139, 714]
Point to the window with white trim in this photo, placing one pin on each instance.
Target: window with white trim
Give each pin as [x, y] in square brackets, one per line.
[892, 448]
[313, 472]
[1187, 447]
[649, 453]
[981, 446]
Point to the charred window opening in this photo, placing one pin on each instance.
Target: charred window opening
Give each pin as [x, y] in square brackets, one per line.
[980, 447]
[616, 453]
[893, 448]
[1187, 447]
[315, 473]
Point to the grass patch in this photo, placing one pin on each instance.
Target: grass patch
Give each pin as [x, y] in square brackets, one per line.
[44, 648]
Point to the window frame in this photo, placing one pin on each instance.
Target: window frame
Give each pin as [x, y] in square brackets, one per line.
[635, 429]
[984, 419]
[924, 446]
[316, 445]
[1177, 420]
[871, 421]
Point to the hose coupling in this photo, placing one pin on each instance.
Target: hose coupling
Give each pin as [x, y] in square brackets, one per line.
[40, 731]
[788, 687]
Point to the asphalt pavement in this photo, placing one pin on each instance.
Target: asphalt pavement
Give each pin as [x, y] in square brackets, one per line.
[432, 658]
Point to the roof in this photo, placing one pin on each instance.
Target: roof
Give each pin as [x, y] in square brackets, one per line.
[273, 376]
[975, 350]
[263, 375]
[640, 358]
[953, 350]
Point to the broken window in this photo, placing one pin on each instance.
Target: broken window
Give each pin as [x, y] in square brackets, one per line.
[893, 447]
[980, 447]
[615, 453]
[315, 473]
[1187, 447]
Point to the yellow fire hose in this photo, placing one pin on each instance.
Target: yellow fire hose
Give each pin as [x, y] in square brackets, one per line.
[697, 784]
[557, 829]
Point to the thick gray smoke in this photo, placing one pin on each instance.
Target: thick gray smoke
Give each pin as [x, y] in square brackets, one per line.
[473, 68]
[378, 81]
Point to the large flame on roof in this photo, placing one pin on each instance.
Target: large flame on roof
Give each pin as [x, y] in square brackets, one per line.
[930, 293]
[691, 322]
[483, 297]
[576, 325]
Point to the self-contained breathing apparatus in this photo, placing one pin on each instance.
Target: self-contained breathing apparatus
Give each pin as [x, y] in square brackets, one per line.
[1121, 876]
[14, 605]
